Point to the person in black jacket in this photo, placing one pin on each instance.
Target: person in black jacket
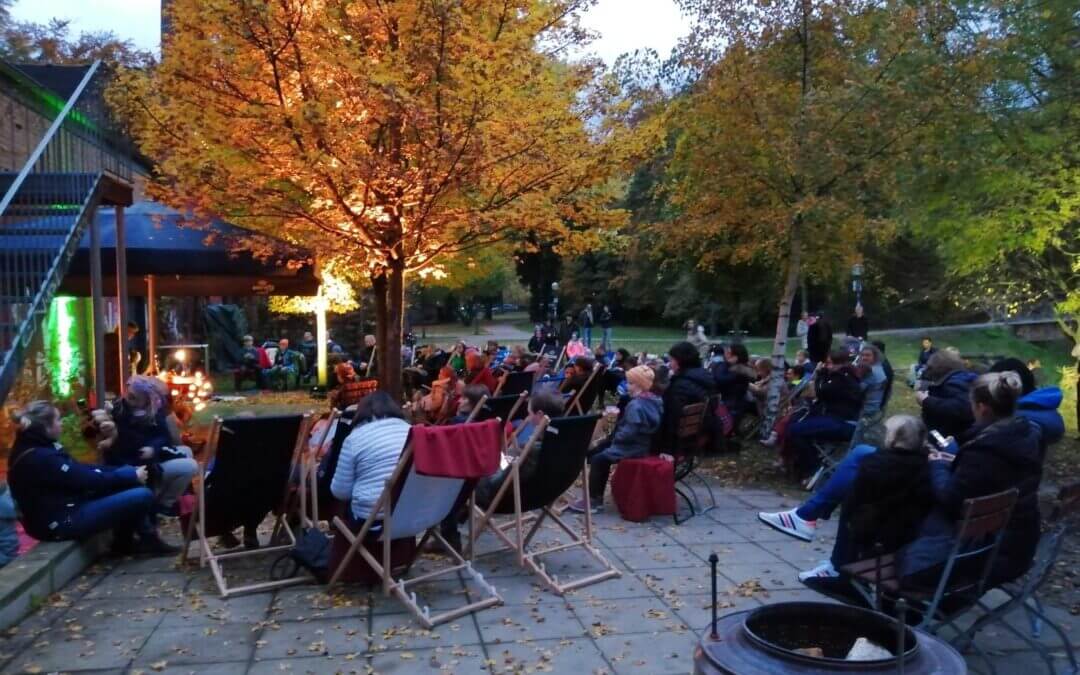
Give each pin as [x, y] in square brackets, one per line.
[732, 377]
[945, 404]
[858, 326]
[536, 342]
[1000, 451]
[690, 383]
[819, 338]
[885, 495]
[61, 499]
[833, 416]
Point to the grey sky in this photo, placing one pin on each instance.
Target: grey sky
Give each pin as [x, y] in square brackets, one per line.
[624, 25]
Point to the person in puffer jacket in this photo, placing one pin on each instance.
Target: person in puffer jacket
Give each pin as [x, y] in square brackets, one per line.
[632, 437]
[1001, 451]
[690, 383]
[945, 404]
[1038, 405]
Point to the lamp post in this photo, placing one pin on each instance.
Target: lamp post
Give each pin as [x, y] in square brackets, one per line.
[856, 282]
[554, 301]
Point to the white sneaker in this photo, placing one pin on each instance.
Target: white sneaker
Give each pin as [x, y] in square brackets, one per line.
[824, 570]
[790, 523]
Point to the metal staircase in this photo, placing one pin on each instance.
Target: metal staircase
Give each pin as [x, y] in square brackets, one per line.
[78, 165]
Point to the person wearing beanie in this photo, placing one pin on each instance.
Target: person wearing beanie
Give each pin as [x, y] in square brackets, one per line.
[631, 438]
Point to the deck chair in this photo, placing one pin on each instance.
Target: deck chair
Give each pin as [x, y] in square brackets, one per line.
[687, 452]
[512, 384]
[507, 408]
[415, 501]
[308, 490]
[559, 361]
[253, 460]
[582, 402]
[563, 446]
[1023, 593]
[964, 575]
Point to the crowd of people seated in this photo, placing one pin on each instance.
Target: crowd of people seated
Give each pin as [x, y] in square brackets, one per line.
[899, 492]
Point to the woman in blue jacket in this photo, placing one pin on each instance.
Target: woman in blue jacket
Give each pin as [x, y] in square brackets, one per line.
[61, 499]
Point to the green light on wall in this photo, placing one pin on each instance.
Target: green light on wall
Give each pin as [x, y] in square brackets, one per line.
[62, 345]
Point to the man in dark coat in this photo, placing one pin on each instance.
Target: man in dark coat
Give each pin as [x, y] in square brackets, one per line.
[690, 383]
[836, 409]
[858, 326]
[819, 338]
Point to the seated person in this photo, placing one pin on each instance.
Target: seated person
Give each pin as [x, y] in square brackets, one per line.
[802, 363]
[615, 374]
[927, 350]
[577, 375]
[309, 348]
[872, 379]
[515, 359]
[632, 437]
[541, 405]
[141, 435]
[9, 535]
[540, 366]
[350, 390]
[61, 499]
[832, 417]
[884, 493]
[689, 383]
[285, 366]
[575, 347]
[366, 363]
[536, 342]
[468, 401]
[1000, 451]
[733, 377]
[1038, 405]
[457, 357]
[251, 365]
[945, 401]
[369, 455]
[477, 371]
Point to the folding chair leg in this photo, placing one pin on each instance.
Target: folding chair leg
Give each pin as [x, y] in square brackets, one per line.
[708, 489]
[689, 504]
[1037, 614]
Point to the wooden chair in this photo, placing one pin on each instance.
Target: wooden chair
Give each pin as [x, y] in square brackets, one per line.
[253, 460]
[561, 446]
[1023, 592]
[413, 504]
[687, 452]
[308, 492]
[978, 537]
[581, 402]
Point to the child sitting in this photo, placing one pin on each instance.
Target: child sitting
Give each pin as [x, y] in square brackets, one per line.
[470, 399]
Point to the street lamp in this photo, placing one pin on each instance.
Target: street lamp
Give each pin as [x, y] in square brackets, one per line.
[554, 301]
[856, 282]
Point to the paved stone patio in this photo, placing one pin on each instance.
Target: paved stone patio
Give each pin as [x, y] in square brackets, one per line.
[145, 616]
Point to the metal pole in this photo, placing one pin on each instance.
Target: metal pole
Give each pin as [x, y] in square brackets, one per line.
[321, 340]
[98, 308]
[122, 298]
[151, 323]
[713, 560]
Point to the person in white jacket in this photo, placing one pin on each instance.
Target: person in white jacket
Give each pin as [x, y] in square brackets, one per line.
[369, 454]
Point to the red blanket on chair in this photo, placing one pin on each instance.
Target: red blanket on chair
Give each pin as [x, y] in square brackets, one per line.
[644, 487]
[461, 451]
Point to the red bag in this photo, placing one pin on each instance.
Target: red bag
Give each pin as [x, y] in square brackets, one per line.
[644, 487]
[459, 451]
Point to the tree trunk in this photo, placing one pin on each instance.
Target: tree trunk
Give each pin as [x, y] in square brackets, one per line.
[783, 321]
[389, 288]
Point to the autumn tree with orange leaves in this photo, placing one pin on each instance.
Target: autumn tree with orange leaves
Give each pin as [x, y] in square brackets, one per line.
[798, 119]
[384, 134]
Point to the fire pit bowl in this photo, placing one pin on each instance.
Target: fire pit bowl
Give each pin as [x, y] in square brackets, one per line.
[764, 642]
[784, 628]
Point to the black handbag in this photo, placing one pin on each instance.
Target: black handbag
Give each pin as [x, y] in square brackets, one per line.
[311, 552]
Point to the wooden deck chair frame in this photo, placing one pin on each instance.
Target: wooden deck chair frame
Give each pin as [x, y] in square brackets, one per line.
[371, 361]
[558, 361]
[196, 524]
[308, 491]
[574, 406]
[517, 524]
[383, 511]
[506, 377]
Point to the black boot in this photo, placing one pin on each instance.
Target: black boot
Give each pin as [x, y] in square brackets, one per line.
[150, 544]
[251, 538]
[123, 544]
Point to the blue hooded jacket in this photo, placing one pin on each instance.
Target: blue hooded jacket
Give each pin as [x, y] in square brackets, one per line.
[1041, 407]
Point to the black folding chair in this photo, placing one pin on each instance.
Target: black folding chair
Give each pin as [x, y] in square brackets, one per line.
[508, 408]
[562, 445]
[687, 451]
[253, 460]
[512, 384]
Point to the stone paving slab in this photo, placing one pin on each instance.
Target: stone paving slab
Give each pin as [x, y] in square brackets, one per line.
[147, 616]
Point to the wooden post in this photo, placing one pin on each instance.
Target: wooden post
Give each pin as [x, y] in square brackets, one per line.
[151, 324]
[98, 309]
[122, 299]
